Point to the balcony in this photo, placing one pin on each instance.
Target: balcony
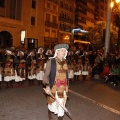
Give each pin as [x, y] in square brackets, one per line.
[47, 23]
[81, 11]
[54, 25]
[51, 24]
[66, 29]
[53, 1]
[82, 1]
[50, 40]
[81, 21]
[68, 20]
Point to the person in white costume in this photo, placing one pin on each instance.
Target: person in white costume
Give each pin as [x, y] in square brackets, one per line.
[9, 72]
[1, 72]
[40, 65]
[20, 69]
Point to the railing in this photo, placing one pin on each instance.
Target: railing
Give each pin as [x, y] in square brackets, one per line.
[66, 20]
[54, 1]
[50, 39]
[65, 29]
[51, 24]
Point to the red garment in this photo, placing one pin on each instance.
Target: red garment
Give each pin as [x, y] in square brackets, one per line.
[105, 71]
[61, 82]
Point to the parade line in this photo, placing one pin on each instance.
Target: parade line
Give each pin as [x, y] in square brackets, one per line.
[95, 102]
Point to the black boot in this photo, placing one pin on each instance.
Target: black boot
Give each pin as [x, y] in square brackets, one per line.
[77, 77]
[60, 118]
[30, 82]
[50, 115]
[18, 85]
[7, 85]
[33, 83]
[39, 82]
[22, 84]
[74, 77]
[0, 85]
[11, 84]
[84, 77]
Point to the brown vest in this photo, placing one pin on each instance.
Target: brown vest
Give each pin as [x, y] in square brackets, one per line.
[60, 83]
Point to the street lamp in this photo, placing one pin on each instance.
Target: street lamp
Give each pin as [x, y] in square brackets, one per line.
[107, 37]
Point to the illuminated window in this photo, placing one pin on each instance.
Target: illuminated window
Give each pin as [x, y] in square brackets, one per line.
[23, 36]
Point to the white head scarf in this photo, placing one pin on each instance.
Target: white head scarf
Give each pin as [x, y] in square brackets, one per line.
[8, 51]
[56, 51]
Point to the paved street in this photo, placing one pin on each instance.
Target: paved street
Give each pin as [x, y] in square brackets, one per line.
[88, 100]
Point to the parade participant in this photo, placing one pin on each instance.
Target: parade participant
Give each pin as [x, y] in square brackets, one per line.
[77, 55]
[1, 72]
[40, 65]
[1, 67]
[77, 70]
[85, 68]
[9, 72]
[70, 72]
[20, 69]
[70, 61]
[55, 80]
[70, 56]
[48, 54]
[32, 64]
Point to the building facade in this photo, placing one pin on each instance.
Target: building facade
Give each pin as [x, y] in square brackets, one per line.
[46, 22]
[21, 23]
[51, 23]
[66, 20]
[59, 21]
[88, 12]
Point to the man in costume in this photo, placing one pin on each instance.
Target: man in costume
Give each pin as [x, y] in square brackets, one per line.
[55, 80]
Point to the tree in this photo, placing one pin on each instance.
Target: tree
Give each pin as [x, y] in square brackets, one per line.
[96, 34]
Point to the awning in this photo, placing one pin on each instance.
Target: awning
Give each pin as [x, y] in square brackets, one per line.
[80, 41]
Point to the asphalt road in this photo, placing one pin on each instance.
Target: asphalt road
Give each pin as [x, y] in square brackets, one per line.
[88, 100]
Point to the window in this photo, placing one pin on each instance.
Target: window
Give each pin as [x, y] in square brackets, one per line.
[18, 10]
[66, 6]
[23, 36]
[71, 8]
[54, 19]
[32, 20]
[2, 3]
[47, 17]
[55, 1]
[61, 4]
[48, 5]
[33, 4]
[53, 34]
[54, 8]
[47, 33]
